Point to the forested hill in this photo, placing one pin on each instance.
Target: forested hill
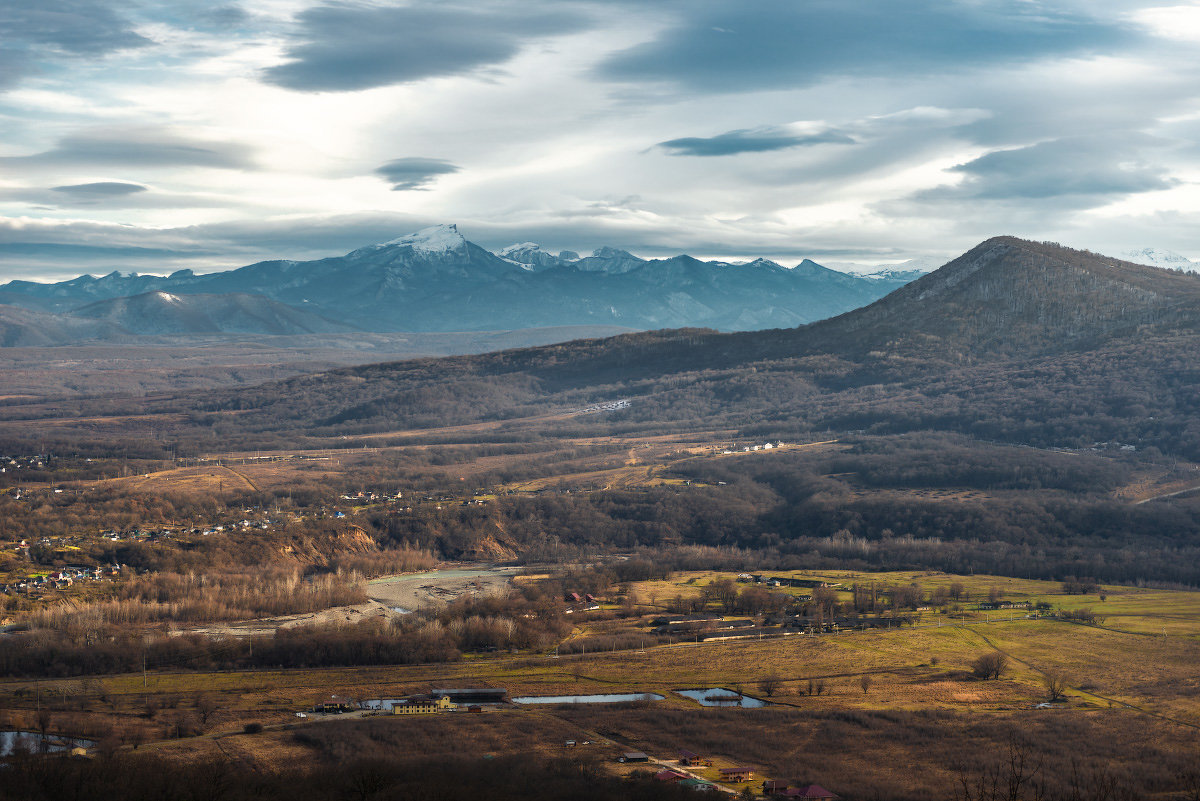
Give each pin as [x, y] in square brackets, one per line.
[1010, 297]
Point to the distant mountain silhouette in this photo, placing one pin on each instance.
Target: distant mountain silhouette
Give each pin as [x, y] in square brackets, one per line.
[436, 280]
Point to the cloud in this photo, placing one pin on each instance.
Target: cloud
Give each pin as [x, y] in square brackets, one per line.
[101, 189]
[757, 140]
[414, 173]
[343, 47]
[77, 27]
[223, 16]
[1092, 168]
[716, 46]
[138, 147]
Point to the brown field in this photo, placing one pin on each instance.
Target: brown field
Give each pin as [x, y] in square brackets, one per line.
[1133, 698]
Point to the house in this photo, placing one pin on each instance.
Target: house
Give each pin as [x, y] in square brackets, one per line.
[668, 775]
[698, 784]
[736, 774]
[773, 787]
[691, 758]
[424, 706]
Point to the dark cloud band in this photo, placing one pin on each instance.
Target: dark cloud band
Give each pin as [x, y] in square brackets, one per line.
[101, 189]
[750, 141]
[137, 147]
[720, 46]
[414, 173]
[343, 48]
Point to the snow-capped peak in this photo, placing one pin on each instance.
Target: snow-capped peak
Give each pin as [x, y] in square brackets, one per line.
[167, 296]
[519, 248]
[434, 239]
[1158, 257]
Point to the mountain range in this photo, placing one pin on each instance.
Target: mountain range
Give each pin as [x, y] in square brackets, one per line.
[1013, 341]
[436, 280]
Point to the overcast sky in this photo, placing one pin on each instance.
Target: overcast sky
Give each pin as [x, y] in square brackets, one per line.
[151, 135]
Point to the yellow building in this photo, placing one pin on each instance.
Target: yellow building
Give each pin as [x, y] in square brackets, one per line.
[424, 706]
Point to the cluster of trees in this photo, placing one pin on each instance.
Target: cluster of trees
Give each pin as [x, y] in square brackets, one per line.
[792, 512]
[208, 596]
[96, 639]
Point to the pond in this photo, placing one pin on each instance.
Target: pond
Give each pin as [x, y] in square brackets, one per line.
[719, 696]
[382, 704]
[31, 740]
[610, 698]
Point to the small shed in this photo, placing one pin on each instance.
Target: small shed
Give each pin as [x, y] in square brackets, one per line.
[634, 756]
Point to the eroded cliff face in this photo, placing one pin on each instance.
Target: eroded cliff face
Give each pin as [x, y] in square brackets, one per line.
[322, 548]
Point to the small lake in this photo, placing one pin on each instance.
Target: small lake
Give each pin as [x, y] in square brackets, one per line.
[610, 698]
[32, 741]
[719, 696]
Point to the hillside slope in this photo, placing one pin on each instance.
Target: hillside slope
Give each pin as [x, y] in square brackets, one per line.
[161, 313]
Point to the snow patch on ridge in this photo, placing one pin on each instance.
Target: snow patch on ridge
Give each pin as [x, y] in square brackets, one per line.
[434, 239]
[1158, 257]
[521, 247]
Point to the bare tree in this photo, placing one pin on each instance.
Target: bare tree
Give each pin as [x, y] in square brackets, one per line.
[1055, 682]
[990, 666]
[1016, 779]
[206, 705]
[770, 684]
[43, 724]
[865, 681]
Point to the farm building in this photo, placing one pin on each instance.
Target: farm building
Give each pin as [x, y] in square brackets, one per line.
[334, 707]
[633, 756]
[736, 774]
[424, 706]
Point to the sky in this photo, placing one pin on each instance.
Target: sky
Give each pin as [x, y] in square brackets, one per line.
[154, 135]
